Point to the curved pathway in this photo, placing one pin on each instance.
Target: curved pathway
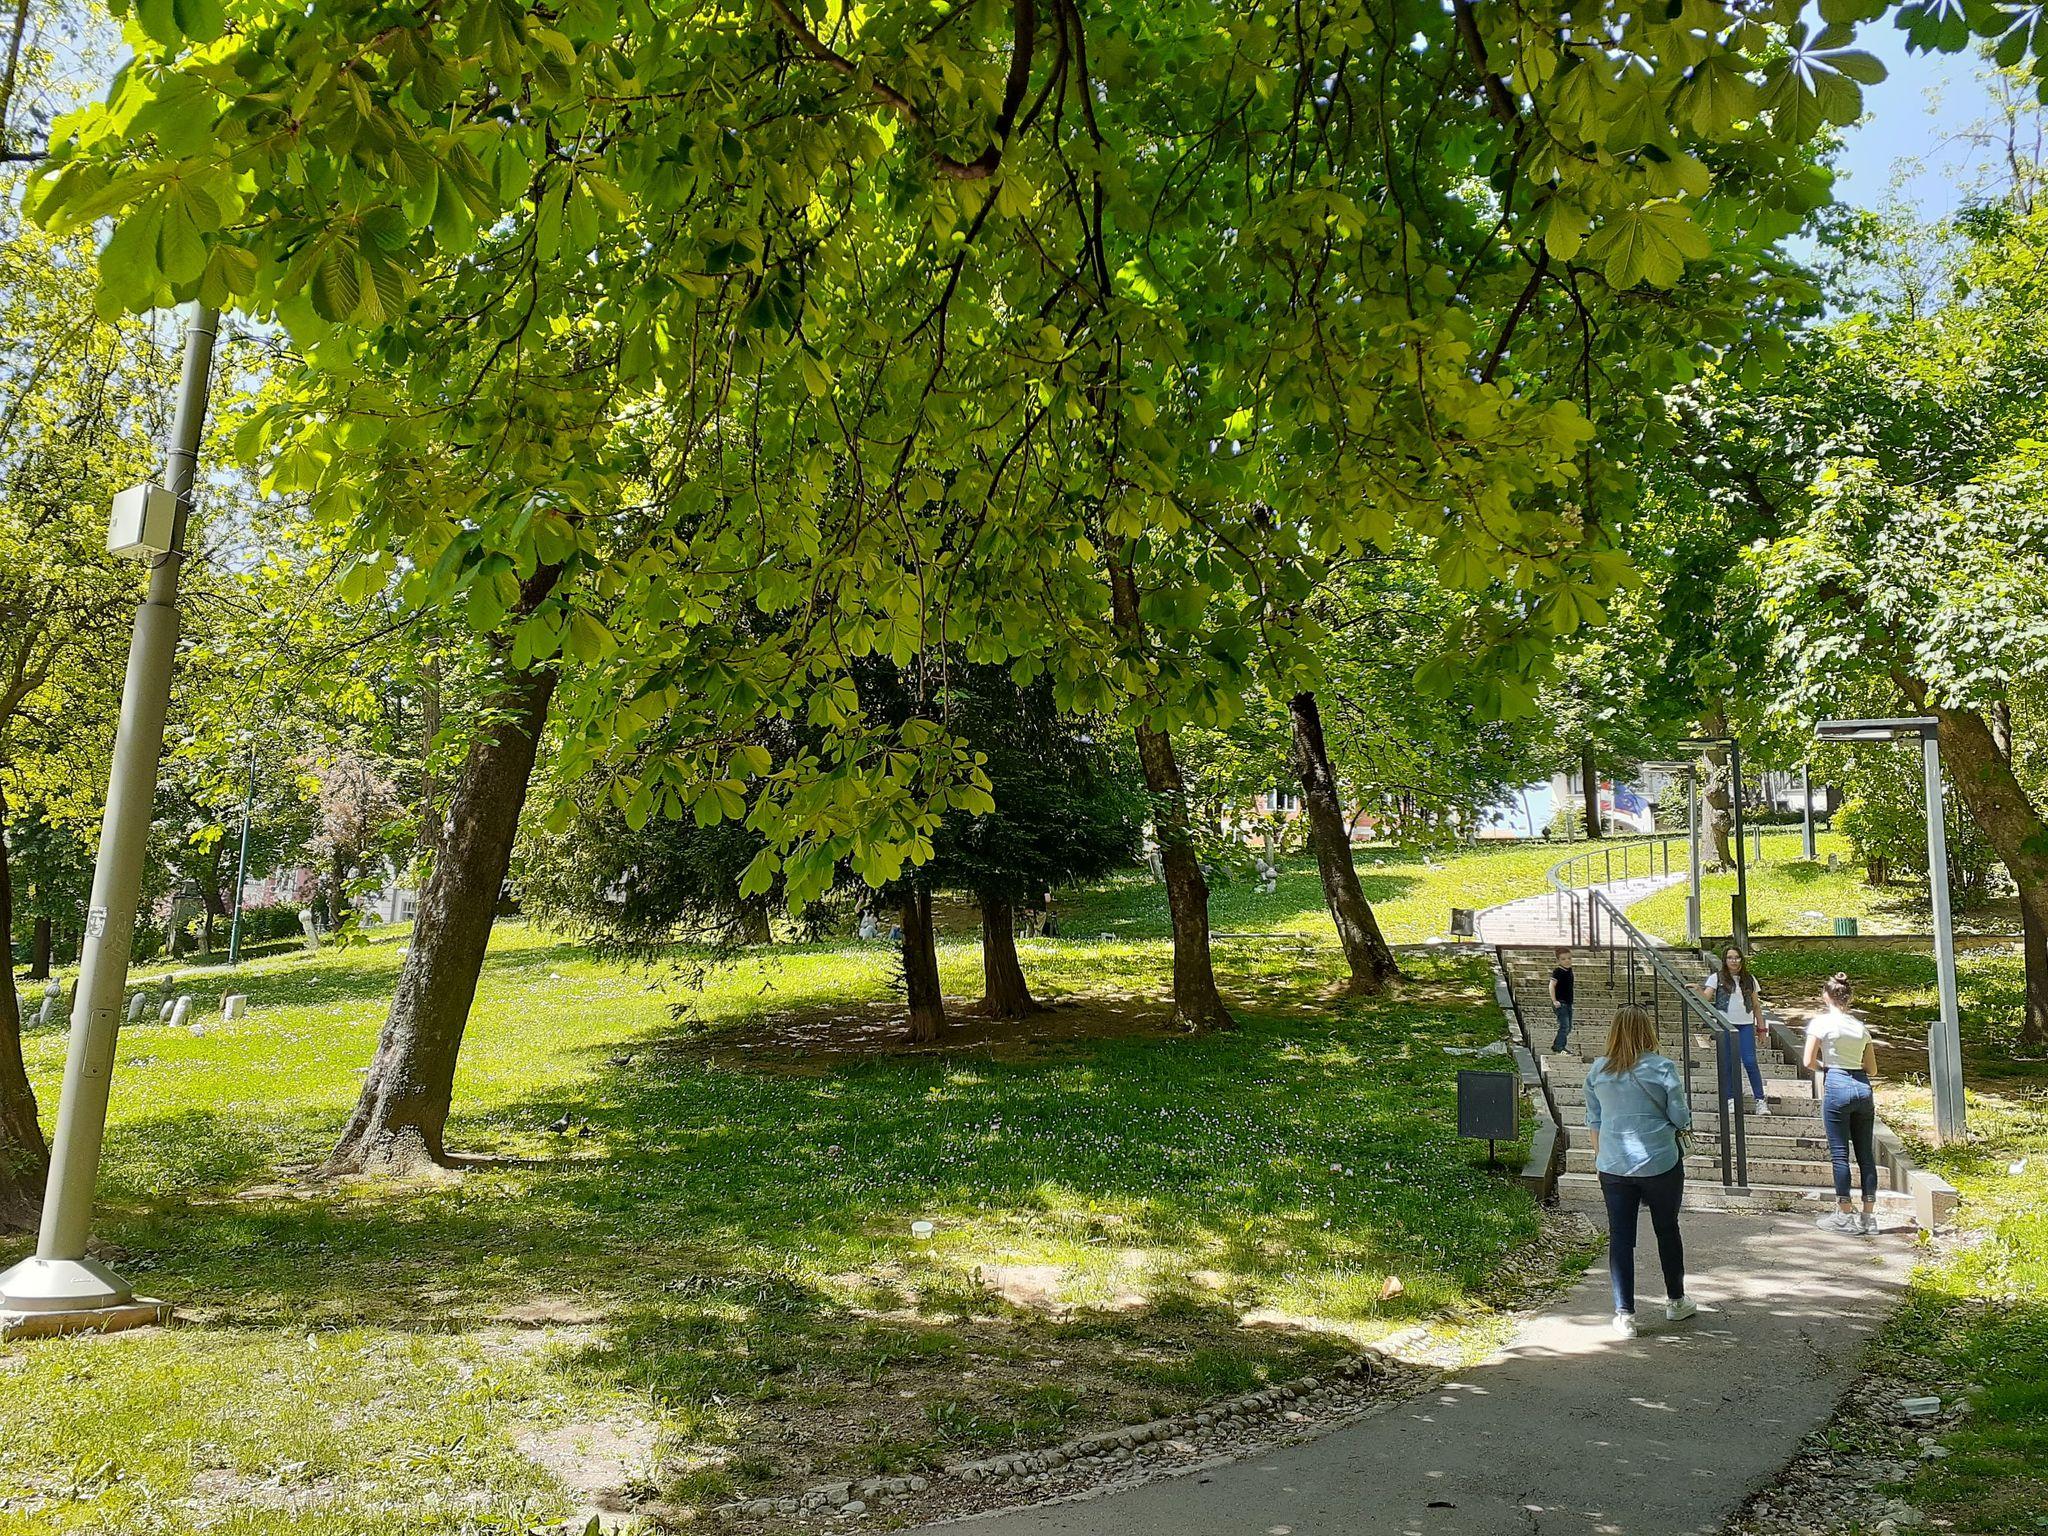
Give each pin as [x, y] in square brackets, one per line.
[1546, 919]
[1569, 1431]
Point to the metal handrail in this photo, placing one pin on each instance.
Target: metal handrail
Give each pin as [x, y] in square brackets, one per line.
[1566, 886]
[1655, 959]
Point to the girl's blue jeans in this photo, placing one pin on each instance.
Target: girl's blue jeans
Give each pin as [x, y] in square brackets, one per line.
[1744, 1044]
[1849, 1114]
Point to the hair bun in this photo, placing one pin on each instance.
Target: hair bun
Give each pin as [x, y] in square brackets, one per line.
[1840, 976]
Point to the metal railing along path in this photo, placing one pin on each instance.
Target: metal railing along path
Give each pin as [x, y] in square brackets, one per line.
[1578, 875]
[1652, 981]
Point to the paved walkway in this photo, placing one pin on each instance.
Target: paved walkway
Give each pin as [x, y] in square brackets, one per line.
[1569, 1431]
[1547, 919]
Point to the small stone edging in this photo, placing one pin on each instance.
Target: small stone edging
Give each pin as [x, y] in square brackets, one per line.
[1359, 1383]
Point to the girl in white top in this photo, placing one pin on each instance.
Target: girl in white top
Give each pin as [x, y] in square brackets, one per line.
[1839, 1044]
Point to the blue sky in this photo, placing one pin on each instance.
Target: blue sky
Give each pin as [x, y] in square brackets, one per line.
[1918, 114]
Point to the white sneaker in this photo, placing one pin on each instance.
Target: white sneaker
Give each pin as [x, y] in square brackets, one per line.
[1763, 1107]
[1624, 1325]
[1843, 1222]
[1679, 1308]
[1870, 1223]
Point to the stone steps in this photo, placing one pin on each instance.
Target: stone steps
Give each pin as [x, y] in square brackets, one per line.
[1788, 1162]
[1793, 1171]
[1780, 1076]
[1581, 1192]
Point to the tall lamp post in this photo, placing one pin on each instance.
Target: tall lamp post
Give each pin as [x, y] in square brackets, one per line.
[1738, 906]
[1945, 1039]
[59, 1289]
[1690, 772]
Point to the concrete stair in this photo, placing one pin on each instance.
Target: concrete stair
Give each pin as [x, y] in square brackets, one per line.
[1788, 1162]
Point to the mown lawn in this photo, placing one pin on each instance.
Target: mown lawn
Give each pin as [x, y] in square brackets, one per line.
[717, 1257]
[1977, 1318]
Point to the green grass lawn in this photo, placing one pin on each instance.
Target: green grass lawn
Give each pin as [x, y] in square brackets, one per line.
[1978, 1317]
[1790, 895]
[719, 1258]
[1412, 897]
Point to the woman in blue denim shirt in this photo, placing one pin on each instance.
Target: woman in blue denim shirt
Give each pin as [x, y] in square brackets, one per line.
[1635, 1108]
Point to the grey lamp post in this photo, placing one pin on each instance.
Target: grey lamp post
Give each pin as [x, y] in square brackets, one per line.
[1945, 1039]
[1690, 772]
[1806, 845]
[59, 1289]
[242, 865]
[1738, 907]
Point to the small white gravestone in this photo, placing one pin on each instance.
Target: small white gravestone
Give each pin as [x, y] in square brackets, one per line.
[53, 998]
[309, 927]
[234, 1005]
[179, 1010]
[163, 1012]
[136, 1003]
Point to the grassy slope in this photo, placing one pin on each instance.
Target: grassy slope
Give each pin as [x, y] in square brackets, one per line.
[729, 1248]
[1978, 1318]
[1789, 895]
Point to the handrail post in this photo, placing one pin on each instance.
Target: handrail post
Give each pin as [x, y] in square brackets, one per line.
[1721, 1064]
[1741, 1139]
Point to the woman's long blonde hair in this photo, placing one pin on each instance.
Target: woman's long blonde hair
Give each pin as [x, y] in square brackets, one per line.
[1632, 1037]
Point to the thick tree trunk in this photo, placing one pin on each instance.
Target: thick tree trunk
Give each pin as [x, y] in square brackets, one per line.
[2010, 823]
[1005, 993]
[24, 1156]
[41, 943]
[401, 1118]
[1197, 1004]
[1589, 787]
[1365, 948]
[2034, 928]
[754, 927]
[1717, 807]
[921, 968]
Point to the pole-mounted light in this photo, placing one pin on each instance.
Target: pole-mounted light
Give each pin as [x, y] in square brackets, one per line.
[1945, 1039]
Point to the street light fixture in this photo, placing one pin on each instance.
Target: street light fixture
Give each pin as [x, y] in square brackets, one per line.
[59, 1289]
[1945, 1039]
[1738, 907]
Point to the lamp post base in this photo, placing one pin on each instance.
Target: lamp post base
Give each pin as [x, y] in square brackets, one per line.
[43, 1297]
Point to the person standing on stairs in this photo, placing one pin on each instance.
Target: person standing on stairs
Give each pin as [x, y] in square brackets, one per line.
[1635, 1110]
[1561, 998]
[1732, 990]
[1839, 1043]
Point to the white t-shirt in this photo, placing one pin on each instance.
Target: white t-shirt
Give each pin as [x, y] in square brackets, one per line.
[1844, 1039]
[1737, 1009]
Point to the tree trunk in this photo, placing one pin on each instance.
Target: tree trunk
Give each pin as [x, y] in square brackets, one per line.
[754, 927]
[2010, 823]
[1716, 806]
[2034, 1026]
[41, 943]
[1365, 948]
[209, 893]
[1197, 1004]
[1589, 786]
[1005, 993]
[401, 1118]
[337, 889]
[921, 968]
[24, 1156]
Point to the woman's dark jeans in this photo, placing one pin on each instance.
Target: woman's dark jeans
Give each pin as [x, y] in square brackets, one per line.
[1849, 1113]
[1626, 1195]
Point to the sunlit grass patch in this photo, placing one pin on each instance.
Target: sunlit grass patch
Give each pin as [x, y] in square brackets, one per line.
[719, 1255]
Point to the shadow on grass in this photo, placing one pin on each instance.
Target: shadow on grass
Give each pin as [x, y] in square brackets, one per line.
[1286, 1146]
